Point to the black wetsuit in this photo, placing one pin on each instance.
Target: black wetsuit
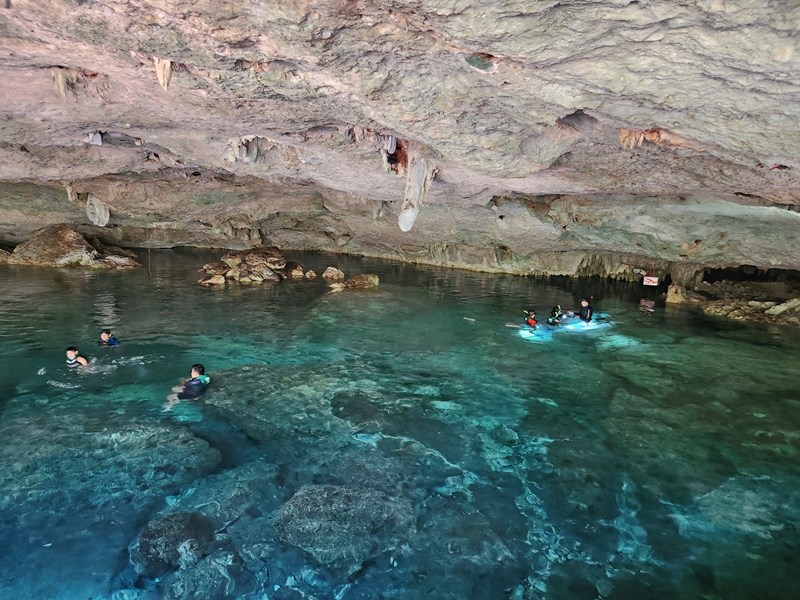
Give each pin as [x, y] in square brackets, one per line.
[194, 388]
[586, 313]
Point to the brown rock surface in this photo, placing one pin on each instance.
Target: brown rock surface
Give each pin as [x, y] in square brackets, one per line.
[61, 246]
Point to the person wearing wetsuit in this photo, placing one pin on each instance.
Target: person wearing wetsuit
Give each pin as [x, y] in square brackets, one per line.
[107, 338]
[74, 359]
[196, 386]
[585, 313]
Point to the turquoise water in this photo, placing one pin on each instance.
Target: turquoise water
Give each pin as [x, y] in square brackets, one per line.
[397, 443]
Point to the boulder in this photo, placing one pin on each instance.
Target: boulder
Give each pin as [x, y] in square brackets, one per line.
[61, 246]
[169, 542]
[333, 273]
[294, 270]
[310, 274]
[264, 273]
[362, 281]
[676, 294]
[271, 257]
[343, 527]
[780, 309]
[212, 280]
[215, 268]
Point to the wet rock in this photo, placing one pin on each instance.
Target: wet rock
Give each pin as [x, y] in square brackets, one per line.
[271, 257]
[757, 312]
[170, 542]
[264, 273]
[363, 281]
[252, 266]
[780, 309]
[213, 280]
[310, 274]
[333, 273]
[676, 294]
[294, 270]
[61, 246]
[343, 527]
[215, 268]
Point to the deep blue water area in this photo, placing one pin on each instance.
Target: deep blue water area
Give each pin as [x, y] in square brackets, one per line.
[402, 442]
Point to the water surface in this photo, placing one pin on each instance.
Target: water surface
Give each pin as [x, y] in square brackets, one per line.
[396, 443]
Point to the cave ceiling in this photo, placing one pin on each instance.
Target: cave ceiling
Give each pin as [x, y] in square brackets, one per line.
[455, 132]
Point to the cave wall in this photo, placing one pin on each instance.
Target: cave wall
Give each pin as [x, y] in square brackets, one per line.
[553, 133]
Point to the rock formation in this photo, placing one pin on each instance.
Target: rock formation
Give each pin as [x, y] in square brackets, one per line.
[60, 246]
[533, 138]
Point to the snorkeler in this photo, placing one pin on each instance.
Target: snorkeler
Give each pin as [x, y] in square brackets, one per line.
[74, 359]
[107, 338]
[555, 316]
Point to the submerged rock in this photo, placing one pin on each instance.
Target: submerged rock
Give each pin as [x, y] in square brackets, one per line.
[343, 527]
[170, 542]
[61, 246]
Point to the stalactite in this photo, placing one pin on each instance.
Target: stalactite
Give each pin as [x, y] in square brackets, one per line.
[418, 182]
[97, 211]
[163, 71]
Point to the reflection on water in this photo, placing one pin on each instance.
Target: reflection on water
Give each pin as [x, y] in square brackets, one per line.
[397, 443]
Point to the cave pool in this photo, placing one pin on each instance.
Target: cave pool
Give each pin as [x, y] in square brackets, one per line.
[396, 443]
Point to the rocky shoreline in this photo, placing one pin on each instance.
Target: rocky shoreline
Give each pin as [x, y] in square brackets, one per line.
[770, 302]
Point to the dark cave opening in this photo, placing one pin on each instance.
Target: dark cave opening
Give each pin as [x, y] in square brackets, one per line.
[749, 273]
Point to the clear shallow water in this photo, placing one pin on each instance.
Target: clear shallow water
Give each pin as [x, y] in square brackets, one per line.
[380, 445]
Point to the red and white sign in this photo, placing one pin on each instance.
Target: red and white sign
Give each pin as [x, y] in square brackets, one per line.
[650, 280]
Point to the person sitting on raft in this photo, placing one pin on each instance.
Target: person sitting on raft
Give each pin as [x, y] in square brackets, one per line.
[585, 312]
[74, 359]
[555, 316]
[530, 317]
[107, 338]
[193, 388]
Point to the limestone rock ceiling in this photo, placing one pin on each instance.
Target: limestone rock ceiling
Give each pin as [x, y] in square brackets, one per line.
[662, 129]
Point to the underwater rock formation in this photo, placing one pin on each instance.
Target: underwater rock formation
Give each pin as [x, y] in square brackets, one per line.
[170, 542]
[343, 527]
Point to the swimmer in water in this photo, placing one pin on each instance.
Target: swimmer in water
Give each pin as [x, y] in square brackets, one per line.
[194, 387]
[74, 359]
[107, 338]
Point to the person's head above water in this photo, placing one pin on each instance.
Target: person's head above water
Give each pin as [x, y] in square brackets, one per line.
[584, 302]
[105, 334]
[72, 352]
[198, 369]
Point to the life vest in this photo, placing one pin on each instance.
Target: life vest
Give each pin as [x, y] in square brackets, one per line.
[531, 322]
